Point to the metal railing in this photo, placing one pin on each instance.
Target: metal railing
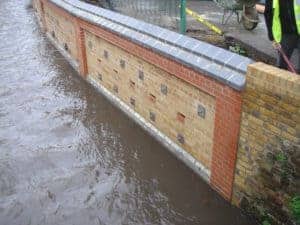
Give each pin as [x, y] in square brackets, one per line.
[165, 13]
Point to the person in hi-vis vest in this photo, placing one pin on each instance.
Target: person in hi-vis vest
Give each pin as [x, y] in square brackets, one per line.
[283, 24]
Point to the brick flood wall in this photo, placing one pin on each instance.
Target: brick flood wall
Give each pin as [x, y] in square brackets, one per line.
[194, 95]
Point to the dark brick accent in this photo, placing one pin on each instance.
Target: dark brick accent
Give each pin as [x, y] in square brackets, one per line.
[132, 101]
[105, 54]
[116, 89]
[99, 76]
[201, 111]
[164, 89]
[141, 75]
[152, 116]
[180, 138]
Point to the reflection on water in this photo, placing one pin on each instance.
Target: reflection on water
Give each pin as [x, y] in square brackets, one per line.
[67, 156]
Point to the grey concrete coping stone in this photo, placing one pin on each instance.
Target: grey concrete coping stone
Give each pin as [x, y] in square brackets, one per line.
[215, 62]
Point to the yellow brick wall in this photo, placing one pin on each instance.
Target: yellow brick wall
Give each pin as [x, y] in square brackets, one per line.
[270, 120]
[64, 30]
[181, 97]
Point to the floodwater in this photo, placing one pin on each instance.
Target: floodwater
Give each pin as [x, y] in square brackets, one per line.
[67, 156]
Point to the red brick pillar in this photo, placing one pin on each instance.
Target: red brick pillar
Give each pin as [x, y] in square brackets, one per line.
[226, 136]
[80, 42]
[42, 10]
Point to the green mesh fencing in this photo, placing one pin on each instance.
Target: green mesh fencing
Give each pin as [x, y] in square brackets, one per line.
[165, 13]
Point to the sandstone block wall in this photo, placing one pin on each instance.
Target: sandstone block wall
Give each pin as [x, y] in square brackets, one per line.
[267, 174]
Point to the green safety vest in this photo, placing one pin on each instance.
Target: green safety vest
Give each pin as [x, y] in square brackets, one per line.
[276, 26]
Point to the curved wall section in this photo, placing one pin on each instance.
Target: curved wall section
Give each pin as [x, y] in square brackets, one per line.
[185, 92]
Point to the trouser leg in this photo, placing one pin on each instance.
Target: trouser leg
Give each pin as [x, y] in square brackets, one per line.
[288, 43]
[298, 55]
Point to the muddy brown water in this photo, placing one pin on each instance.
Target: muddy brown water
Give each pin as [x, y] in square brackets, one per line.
[67, 156]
